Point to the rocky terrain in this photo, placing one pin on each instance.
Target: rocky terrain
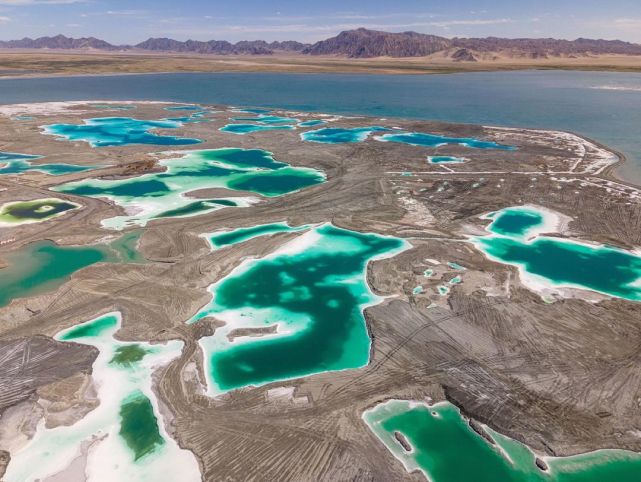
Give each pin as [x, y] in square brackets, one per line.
[560, 375]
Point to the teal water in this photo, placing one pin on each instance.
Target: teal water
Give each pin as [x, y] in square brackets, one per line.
[44, 266]
[126, 426]
[267, 119]
[600, 105]
[242, 129]
[446, 449]
[165, 194]
[12, 163]
[253, 111]
[37, 210]
[515, 222]
[557, 262]
[336, 135]
[314, 290]
[240, 235]
[119, 131]
[431, 140]
[445, 160]
[312, 123]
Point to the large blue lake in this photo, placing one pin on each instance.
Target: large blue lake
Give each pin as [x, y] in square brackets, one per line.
[604, 106]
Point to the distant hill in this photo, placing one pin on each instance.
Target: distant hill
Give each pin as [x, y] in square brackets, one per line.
[359, 43]
[362, 43]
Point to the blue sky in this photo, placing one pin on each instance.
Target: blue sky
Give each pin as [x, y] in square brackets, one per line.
[121, 21]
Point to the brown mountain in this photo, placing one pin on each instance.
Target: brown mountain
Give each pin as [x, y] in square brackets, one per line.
[359, 43]
[363, 43]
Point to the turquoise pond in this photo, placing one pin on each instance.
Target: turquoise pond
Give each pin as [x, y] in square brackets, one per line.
[240, 235]
[552, 262]
[242, 129]
[337, 135]
[266, 119]
[446, 449]
[119, 131]
[313, 289]
[127, 420]
[12, 163]
[431, 140]
[445, 160]
[312, 123]
[165, 194]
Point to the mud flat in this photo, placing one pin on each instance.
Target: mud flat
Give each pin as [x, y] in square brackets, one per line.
[555, 371]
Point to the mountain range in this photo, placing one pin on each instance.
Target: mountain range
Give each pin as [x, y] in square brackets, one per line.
[359, 43]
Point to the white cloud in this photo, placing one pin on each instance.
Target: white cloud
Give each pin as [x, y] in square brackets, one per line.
[5, 19]
[458, 23]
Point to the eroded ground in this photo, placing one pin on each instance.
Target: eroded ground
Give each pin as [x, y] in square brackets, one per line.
[559, 374]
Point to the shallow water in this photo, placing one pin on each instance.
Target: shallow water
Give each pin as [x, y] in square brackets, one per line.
[551, 262]
[12, 163]
[267, 119]
[445, 160]
[242, 129]
[240, 235]
[119, 131]
[431, 140]
[337, 135]
[314, 289]
[601, 105]
[27, 212]
[446, 449]
[127, 430]
[44, 266]
[165, 194]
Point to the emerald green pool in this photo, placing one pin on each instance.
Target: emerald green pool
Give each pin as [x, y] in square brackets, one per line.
[240, 235]
[44, 266]
[166, 194]
[34, 211]
[546, 261]
[314, 289]
[127, 426]
[446, 449]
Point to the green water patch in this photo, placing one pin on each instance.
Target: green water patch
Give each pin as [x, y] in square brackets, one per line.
[547, 262]
[95, 329]
[44, 266]
[438, 441]
[445, 160]
[337, 135]
[314, 289]
[431, 140]
[128, 354]
[127, 426]
[119, 131]
[240, 235]
[34, 211]
[242, 129]
[166, 194]
[138, 425]
[14, 164]
[456, 266]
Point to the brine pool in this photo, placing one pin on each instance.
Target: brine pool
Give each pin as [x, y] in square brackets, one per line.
[166, 194]
[313, 289]
[124, 437]
[438, 441]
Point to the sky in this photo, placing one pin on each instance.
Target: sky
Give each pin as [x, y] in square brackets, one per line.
[132, 21]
